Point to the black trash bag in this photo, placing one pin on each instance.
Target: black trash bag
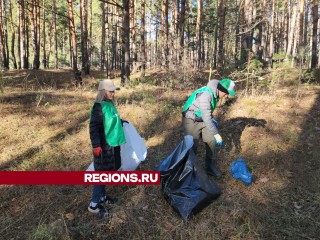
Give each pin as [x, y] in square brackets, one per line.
[185, 184]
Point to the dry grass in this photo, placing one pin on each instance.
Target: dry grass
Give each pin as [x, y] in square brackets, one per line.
[44, 126]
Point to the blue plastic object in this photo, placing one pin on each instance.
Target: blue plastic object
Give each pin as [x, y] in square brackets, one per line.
[240, 171]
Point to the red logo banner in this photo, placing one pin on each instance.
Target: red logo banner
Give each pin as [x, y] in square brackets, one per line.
[79, 177]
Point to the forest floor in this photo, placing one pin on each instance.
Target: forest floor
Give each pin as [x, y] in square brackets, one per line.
[44, 126]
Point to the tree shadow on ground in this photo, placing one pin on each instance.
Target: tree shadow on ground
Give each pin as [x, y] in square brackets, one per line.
[232, 131]
[143, 213]
[293, 211]
[24, 104]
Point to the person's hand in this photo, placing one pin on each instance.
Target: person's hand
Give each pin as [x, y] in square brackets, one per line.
[215, 123]
[218, 139]
[97, 151]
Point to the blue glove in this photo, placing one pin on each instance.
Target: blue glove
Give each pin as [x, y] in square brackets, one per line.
[240, 171]
[218, 139]
[215, 123]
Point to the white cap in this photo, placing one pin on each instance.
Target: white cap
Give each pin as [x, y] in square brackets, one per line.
[108, 85]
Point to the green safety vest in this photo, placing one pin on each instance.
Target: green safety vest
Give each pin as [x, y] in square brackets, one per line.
[113, 130]
[193, 96]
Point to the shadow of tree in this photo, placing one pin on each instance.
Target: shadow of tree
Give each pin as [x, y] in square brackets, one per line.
[287, 211]
[232, 130]
[294, 210]
[24, 103]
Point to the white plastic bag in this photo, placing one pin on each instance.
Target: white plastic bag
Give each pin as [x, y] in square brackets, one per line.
[133, 152]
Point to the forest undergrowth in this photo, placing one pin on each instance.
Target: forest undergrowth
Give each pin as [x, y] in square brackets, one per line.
[275, 128]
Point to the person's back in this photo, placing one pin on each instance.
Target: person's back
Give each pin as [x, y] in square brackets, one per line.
[198, 121]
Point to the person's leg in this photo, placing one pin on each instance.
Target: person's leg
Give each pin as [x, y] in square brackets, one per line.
[192, 128]
[97, 192]
[105, 198]
[211, 153]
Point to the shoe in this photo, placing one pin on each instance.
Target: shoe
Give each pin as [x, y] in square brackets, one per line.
[97, 209]
[211, 168]
[109, 200]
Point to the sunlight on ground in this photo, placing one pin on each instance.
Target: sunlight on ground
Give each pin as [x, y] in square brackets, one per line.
[47, 129]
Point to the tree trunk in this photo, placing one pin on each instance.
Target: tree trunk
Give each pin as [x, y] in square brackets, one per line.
[215, 49]
[54, 7]
[272, 30]
[13, 36]
[292, 29]
[257, 35]
[35, 33]
[143, 32]
[181, 28]
[103, 36]
[45, 63]
[264, 29]
[314, 59]
[164, 33]
[222, 13]
[305, 29]
[114, 40]
[198, 31]
[133, 32]
[19, 18]
[76, 72]
[301, 13]
[84, 36]
[4, 50]
[90, 36]
[125, 70]
[24, 36]
[246, 35]
[285, 26]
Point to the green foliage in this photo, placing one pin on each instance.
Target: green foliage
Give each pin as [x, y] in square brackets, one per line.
[255, 66]
[280, 60]
[279, 56]
[309, 76]
[42, 233]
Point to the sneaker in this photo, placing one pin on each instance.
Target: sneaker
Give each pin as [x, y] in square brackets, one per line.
[97, 209]
[109, 200]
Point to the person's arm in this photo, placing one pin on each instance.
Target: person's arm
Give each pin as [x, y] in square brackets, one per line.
[205, 108]
[96, 125]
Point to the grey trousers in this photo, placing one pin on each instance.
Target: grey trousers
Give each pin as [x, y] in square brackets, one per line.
[198, 130]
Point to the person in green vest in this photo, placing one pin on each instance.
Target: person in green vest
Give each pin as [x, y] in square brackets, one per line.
[198, 121]
[106, 135]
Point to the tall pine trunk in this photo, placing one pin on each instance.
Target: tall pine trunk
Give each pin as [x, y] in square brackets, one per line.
[54, 7]
[164, 33]
[13, 37]
[222, 13]
[314, 59]
[181, 28]
[125, 70]
[292, 29]
[103, 36]
[198, 31]
[84, 36]
[73, 41]
[45, 63]
[143, 32]
[4, 50]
